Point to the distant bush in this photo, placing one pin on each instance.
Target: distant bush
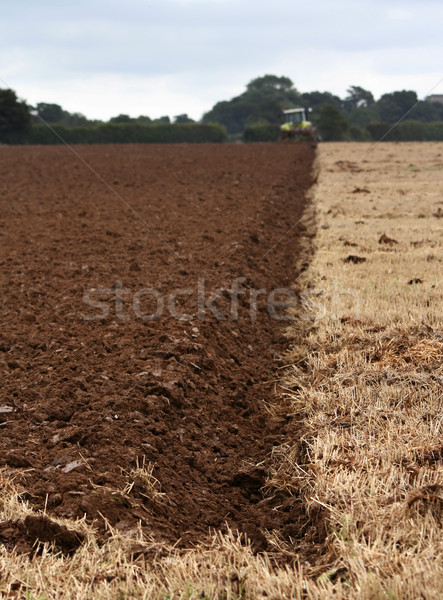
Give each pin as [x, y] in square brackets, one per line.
[332, 124]
[407, 131]
[358, 134]
[378, 130]
[235, 138]
[435, 131]
[261, 133]
[128, 133]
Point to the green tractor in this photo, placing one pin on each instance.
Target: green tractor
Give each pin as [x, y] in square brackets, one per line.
[297, 127]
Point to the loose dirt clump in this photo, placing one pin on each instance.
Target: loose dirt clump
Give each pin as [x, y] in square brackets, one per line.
[384, 239]
[127, 398]
[353, 258]
[25, 535]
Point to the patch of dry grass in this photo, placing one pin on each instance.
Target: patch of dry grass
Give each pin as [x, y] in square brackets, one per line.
[366, 375]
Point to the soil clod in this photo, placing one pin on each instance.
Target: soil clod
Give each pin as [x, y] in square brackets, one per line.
[352, 258]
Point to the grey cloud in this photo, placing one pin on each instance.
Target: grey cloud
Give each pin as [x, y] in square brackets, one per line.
[214, 40]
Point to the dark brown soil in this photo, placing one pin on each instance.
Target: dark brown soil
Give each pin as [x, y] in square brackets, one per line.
[83, 402]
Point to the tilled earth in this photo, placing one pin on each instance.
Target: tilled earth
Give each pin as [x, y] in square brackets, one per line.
[133, 391]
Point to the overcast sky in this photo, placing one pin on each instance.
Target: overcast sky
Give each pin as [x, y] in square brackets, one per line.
[167, 57]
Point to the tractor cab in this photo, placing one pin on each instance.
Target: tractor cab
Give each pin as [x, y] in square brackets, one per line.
[295, 116]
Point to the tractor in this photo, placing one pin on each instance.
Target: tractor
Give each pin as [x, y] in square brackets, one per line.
[297, 127]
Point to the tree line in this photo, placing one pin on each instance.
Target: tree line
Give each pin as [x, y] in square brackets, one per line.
[358, 116]
[254, 115]
[48, 123]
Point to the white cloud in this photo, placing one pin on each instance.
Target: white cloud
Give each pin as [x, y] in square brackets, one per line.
[173, 56]
[104, 96]
[400, 14]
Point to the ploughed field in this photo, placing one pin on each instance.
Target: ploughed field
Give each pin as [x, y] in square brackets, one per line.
[137, 346]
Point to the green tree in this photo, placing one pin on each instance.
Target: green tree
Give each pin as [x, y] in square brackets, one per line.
[54, 113]
[332, 125]
[165, 120]
[121, 119]
[260, 103]
[230, 113]
[358, 98]
[183, 119]
[144, 120]
[427, 111]
[317, 99]
[270, 85]
[77, 120]
[15, 117]
[393, 106]
[360, 117]
[51, 113]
